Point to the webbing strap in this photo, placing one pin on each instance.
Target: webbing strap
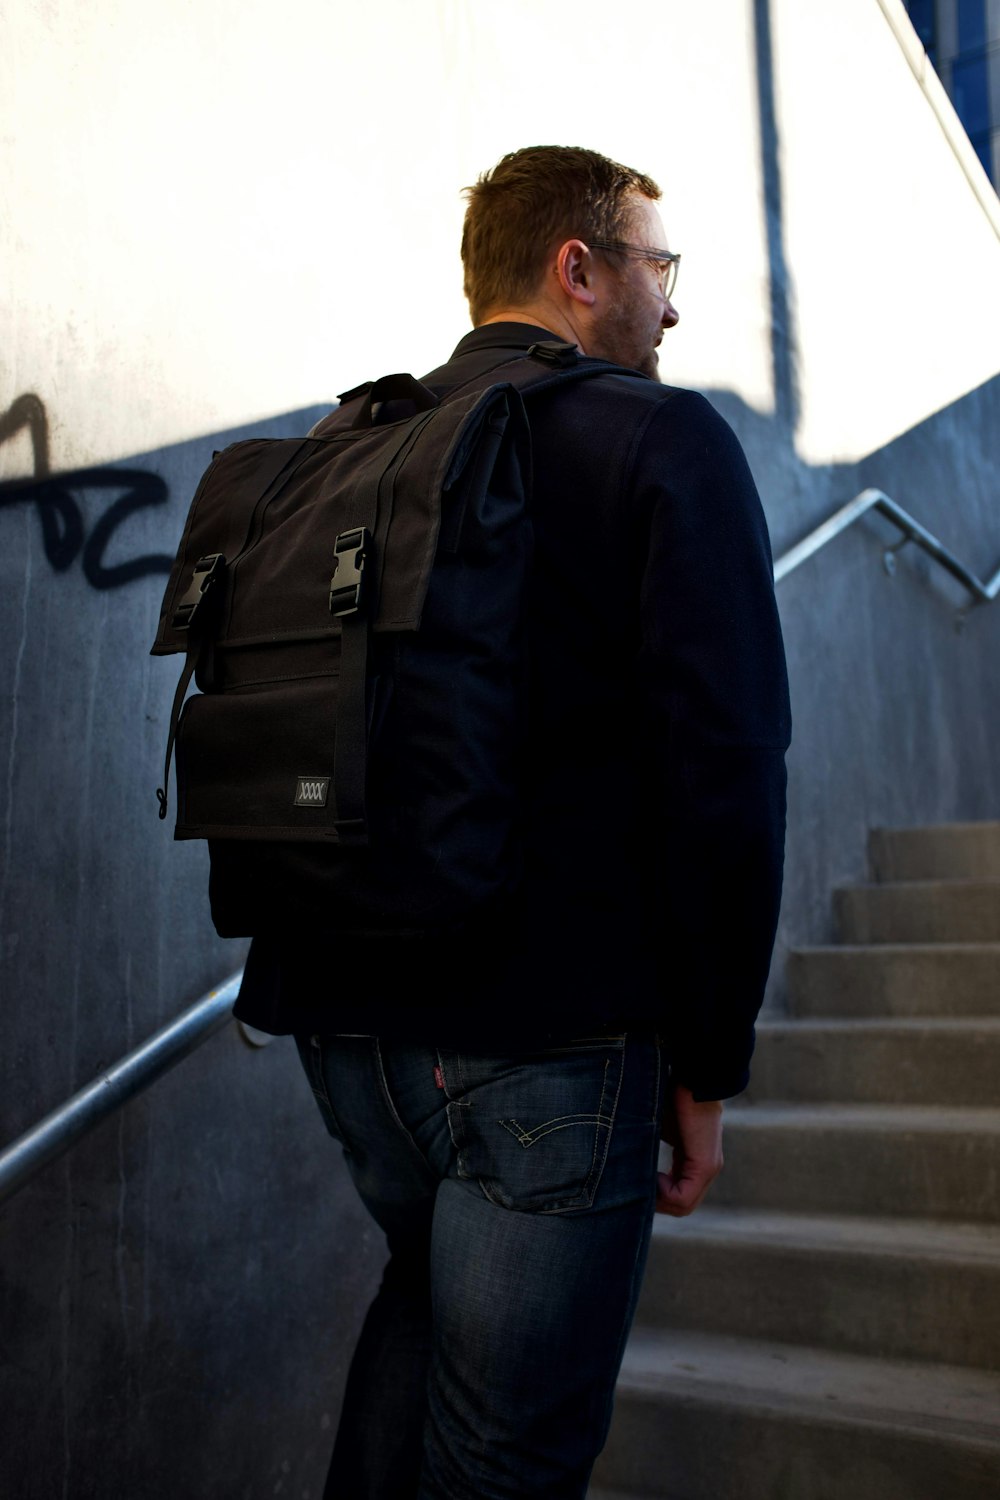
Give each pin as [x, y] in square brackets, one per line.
[536, 368]
[350, 752]
[175, 712]
[350, 742]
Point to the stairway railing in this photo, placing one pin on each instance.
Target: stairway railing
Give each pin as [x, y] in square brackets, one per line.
[871, 499]
[64, 1126]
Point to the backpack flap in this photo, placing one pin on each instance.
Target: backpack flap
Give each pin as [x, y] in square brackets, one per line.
[236, 484]
[274, 508]
[324, 540]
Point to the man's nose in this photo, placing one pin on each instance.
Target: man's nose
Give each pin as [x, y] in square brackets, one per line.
[670, 315]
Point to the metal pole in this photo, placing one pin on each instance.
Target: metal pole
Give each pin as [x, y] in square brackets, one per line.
[123, 1080]
[912, 530]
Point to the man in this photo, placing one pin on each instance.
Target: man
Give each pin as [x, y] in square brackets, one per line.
[508, 1149]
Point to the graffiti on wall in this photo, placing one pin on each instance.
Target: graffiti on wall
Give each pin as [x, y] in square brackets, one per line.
[56, 500]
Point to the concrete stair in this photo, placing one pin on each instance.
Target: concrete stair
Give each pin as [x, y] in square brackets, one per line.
[739, 1419]
[952, 851]
[937, 980]
[863, 1159]
[911, 1289]
[920, 911]
[952, 1060]
[827, 1326]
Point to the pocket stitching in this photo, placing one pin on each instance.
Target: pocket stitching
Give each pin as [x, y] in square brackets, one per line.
[321, 1092]
[527, 1138]
[390, 1102]
[607, 1134]
[585, 1197]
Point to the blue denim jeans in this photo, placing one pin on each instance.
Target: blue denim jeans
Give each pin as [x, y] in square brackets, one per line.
[516, 1194]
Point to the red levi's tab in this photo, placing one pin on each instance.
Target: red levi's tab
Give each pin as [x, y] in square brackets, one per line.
[438, 1077]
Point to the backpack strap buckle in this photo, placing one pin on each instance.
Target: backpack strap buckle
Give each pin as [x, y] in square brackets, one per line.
[207, 573]
[552, 353]
[349, 553]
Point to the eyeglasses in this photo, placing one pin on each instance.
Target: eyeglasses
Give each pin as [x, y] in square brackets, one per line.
[665, 262]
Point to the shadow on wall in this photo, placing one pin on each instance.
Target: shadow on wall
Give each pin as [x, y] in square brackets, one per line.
[876, 671]
[63, 501]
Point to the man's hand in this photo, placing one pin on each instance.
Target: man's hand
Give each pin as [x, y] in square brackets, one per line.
[694, 1130]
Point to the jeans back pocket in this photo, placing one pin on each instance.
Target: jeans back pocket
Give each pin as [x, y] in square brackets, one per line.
[533, 1128]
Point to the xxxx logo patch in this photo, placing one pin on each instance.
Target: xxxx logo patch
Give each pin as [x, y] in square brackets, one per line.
[310, 791]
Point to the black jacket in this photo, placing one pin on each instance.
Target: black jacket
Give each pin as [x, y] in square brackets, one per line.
[655, 801]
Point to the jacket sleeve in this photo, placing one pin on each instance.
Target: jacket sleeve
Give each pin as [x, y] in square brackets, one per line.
[716, 723]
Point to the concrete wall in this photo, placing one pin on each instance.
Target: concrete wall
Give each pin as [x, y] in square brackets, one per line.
[178, 1293]
[895, 690]
[210, 216]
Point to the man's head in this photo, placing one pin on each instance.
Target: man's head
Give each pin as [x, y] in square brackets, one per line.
[537, 248]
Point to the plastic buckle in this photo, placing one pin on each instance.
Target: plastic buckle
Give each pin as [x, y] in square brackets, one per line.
[351, 832]
[552, 353]
[349, 553]
[208, 571]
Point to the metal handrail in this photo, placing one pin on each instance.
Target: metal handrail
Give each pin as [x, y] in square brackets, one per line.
[912, 531]
[121, 1082]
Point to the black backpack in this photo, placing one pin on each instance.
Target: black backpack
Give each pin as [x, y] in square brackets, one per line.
[351, 607]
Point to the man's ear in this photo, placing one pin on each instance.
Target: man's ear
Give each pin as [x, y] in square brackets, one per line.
[575, 270]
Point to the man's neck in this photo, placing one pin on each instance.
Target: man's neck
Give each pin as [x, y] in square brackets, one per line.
[544, 315]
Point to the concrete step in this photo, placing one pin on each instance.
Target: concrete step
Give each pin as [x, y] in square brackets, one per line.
[867, 1159]
[948, 851]
[896, 1288]
[893, 979]
[701, 1416]
[955, 1062]
[919, 911]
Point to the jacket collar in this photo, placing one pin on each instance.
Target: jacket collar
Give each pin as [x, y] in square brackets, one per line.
[504, 336]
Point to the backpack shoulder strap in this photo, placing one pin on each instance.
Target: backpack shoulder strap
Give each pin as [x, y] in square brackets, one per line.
[541, 366]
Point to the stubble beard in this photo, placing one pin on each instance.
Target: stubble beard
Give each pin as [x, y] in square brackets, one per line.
[623, 336]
